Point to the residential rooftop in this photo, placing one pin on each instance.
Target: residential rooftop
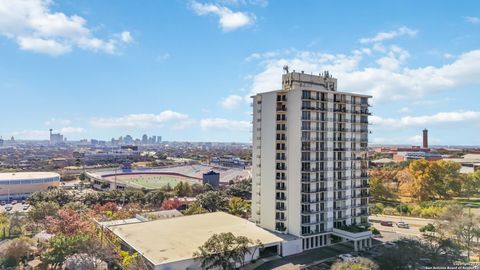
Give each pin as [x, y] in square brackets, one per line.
[175, 239]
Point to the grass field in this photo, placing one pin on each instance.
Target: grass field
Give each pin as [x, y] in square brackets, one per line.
[151, 181]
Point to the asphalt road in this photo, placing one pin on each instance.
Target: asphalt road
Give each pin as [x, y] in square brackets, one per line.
[413, 231]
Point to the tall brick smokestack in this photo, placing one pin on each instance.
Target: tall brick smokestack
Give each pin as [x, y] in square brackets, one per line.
[425, 138]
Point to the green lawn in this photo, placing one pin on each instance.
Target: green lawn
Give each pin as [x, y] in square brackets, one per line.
[153, 182]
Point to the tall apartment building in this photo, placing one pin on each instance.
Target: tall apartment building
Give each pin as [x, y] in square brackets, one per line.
[310, 168]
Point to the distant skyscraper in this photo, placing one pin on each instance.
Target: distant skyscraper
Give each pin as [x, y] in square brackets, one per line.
[159, 139]
[128, 139]
[55, 138]
[309, 160]
[425, 138]
[144, 139]
[1, 141]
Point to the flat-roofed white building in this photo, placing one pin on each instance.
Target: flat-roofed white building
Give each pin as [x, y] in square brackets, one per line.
[309, 160]
[170, 243]
[20, 185]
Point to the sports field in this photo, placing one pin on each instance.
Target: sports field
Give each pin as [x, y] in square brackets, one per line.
[150, 181]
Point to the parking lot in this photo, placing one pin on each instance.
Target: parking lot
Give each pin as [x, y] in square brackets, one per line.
[18, 207]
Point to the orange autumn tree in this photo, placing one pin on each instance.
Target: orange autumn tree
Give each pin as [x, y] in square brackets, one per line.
[68, 222]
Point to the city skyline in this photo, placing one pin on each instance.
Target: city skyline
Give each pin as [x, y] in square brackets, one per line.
[105, 72]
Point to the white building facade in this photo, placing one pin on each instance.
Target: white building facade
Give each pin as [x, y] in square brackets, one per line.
[309, 164]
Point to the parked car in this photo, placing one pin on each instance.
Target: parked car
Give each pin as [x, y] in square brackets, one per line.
[3, 202]
[346, 257]
[402, 224]
[390, 245]
[26, 206]
[386, 223]
[8, 207]
[14, 202]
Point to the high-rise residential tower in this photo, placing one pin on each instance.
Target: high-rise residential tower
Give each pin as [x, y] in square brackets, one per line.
[310, 167]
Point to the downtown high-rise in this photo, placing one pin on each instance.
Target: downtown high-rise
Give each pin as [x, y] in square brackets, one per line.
[310, 167]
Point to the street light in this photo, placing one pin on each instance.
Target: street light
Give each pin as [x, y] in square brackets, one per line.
[470, 217]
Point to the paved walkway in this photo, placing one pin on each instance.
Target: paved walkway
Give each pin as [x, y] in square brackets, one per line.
[306, 258]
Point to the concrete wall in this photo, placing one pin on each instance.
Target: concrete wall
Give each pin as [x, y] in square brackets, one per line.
[292, 247]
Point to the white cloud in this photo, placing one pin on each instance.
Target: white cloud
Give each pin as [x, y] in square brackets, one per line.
[228, 19]
[261, 3]
[386, 79]
[224, 124]
[126, 37]
[31, 134]
[72, 130]
[231, 101]
[34, 27]
[404, 110]
[472, 20]
[379, 37]
[162, 57]
[44, 133]
[56, 121]
[438, 118]
[145, 120]
[46, 46]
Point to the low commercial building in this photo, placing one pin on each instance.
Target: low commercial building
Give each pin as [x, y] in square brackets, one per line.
[20, 185]
[404, 156]
[170, 243]
[469, 162]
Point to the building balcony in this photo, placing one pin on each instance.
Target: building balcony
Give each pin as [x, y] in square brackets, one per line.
[311, 108]
[310, 212]
[310, 233]
[341, 208]
[309, 223]
[314, 180]
[316, 190]
[281, 198]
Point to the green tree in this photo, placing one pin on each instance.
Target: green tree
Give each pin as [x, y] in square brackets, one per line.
[242, 189]
[16, 251]
[213, 201]
[361, 263]
[194, 209]
[155, 198]
[38, 213]
[238, 207]
[377, 208]
[60, 246]
[471, 184]
[463, 227]
[183, 189]
[224, 251]
[408, 253]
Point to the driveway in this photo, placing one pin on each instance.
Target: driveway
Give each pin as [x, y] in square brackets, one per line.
[298, 261]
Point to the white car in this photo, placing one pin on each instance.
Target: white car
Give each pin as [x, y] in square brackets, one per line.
[8, 207]
[346, 257]
[402, 224]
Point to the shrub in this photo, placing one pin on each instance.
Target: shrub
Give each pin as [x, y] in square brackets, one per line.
[390, 211]
[416, 211]
[374, 230]
[404, 209]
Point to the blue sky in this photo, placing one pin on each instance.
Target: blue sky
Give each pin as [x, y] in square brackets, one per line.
[185, 69]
